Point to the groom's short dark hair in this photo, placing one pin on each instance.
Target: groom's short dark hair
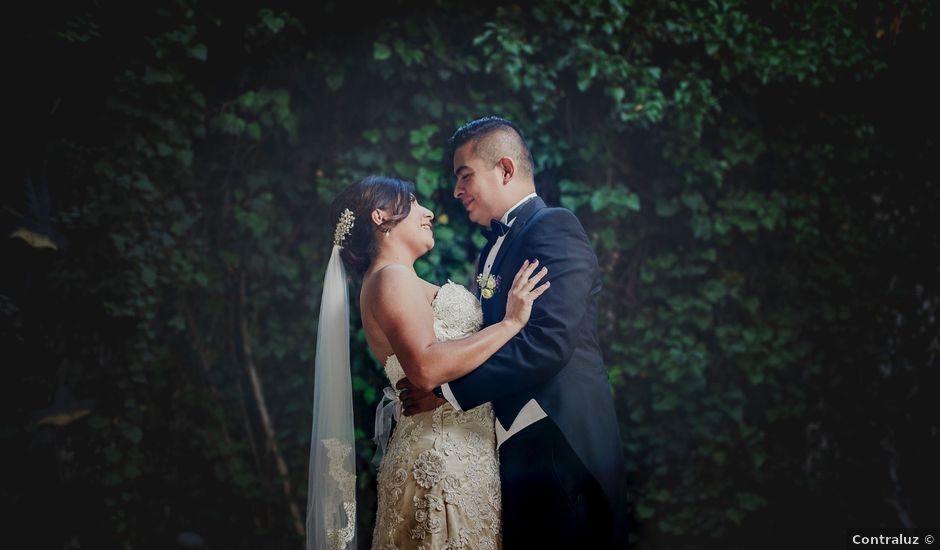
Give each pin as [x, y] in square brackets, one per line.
[480, 133]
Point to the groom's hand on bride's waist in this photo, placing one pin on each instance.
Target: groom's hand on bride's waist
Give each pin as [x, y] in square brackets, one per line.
[415, 400]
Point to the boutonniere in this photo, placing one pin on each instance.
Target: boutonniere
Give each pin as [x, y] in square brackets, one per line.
[489, 285]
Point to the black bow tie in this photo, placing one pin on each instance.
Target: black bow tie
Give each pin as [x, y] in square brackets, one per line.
[496, 230]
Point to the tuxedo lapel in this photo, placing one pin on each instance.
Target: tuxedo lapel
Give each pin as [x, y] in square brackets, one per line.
[528, 210]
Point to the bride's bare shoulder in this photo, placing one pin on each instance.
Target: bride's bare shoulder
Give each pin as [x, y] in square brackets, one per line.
[388, 280]
[395, 282]
[390, 276]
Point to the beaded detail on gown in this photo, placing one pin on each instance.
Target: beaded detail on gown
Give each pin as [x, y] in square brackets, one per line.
[438, 484]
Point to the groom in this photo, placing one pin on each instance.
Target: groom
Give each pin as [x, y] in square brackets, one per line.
[561, 463]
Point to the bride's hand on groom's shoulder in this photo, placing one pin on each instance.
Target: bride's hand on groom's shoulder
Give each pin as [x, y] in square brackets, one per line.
[415, 400]
[524, 293]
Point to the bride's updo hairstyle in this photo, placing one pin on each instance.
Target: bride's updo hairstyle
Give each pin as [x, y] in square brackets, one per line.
[390, 194]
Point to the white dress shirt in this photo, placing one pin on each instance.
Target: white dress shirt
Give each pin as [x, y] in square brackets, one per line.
[531, 412]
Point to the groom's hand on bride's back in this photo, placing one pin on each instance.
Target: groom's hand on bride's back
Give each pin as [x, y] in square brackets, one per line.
[414, 400]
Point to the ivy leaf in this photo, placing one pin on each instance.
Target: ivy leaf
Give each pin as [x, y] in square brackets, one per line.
[372, 136]
[645, 511]
[426, 182]
[381, 52]
[156, 76]
[335, 80]
[133, 434]
[617, 93]
[275, 23]
[200, 52]
[247, 99]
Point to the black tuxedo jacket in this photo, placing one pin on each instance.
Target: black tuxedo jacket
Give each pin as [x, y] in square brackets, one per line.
[555, 359]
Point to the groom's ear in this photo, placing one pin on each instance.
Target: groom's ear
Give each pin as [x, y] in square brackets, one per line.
[508, 167]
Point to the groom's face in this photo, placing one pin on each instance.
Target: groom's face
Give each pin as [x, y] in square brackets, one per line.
[478, 185]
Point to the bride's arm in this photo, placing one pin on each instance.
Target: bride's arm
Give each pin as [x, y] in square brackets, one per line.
[404, 315]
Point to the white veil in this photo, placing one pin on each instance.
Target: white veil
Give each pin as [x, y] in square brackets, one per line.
[331, 497]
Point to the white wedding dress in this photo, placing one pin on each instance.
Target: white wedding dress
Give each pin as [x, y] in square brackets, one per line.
[438, 484]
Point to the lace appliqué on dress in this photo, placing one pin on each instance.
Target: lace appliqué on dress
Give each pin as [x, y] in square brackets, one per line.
[438, 484]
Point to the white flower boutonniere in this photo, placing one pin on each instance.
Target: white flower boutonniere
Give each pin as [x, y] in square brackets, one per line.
[489, 285]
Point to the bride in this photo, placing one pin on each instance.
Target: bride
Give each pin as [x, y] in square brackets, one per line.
[438, 482]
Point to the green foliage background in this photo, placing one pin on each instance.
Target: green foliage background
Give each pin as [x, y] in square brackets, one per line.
[755, 179]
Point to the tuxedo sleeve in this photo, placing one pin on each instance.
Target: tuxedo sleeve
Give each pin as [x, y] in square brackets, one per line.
[547, 342]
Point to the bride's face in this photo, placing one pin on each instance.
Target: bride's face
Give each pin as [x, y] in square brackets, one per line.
[417, 229]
